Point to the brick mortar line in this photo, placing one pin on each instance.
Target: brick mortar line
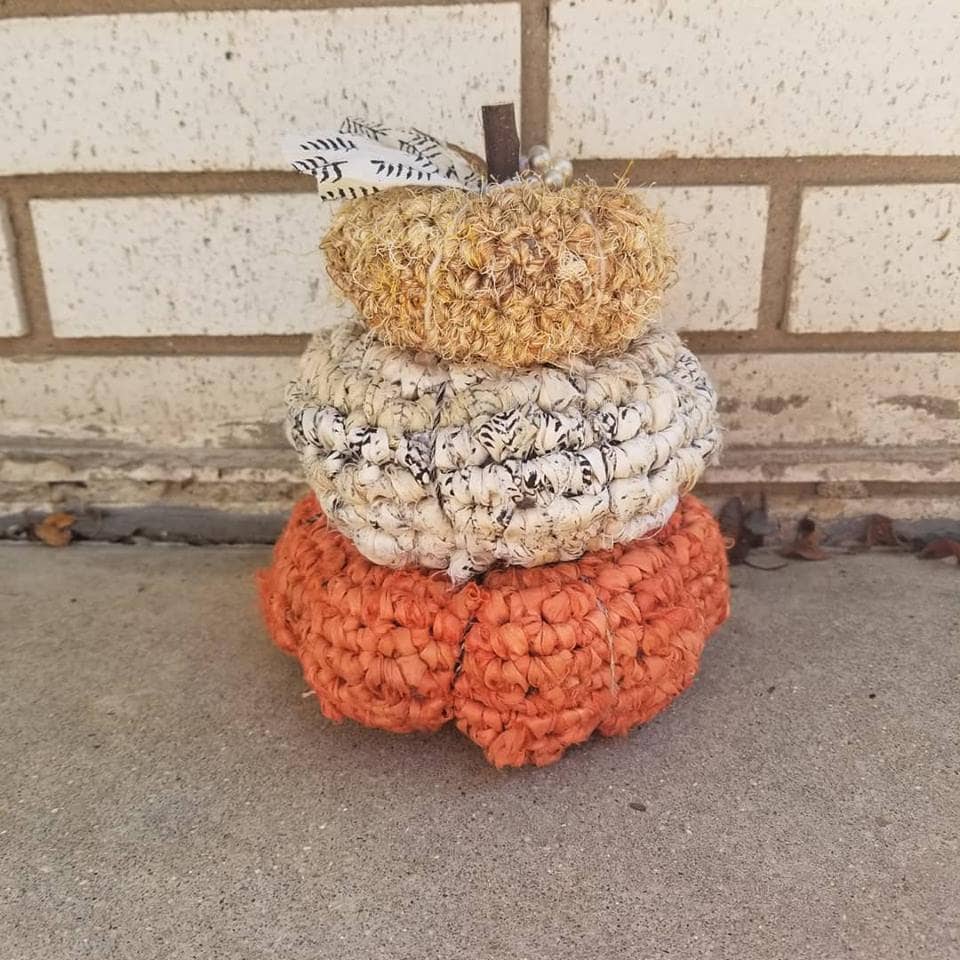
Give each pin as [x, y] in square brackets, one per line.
[260, 345]
[782, 341]
[788, 454]
[79, 186]
[884, 488]
[715, 343]
[783, 219]
[61, 9]
[714, 171]
[806, 171]
[28, 271]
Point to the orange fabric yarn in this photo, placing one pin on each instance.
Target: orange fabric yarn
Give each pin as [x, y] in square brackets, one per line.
[527, 662]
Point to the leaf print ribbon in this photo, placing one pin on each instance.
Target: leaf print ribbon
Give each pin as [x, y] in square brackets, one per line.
[362, 157]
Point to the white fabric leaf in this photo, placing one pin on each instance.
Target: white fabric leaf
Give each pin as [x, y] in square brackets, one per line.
[362, 157]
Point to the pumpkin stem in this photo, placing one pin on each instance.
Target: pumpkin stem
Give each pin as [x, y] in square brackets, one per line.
[500, 141]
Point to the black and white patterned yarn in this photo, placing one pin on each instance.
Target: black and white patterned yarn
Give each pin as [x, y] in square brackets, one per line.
[463, 466]
[359, 158]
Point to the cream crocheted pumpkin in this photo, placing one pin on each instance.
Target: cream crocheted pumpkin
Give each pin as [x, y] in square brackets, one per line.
[462, 466]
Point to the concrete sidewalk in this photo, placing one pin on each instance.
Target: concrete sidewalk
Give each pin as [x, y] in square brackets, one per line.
[166, 792]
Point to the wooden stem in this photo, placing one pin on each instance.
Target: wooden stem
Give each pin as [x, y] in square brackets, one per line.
[500, 141]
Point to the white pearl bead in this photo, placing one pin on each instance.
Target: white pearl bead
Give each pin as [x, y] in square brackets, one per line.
[553, 178]
[539, 158]
[564, 167]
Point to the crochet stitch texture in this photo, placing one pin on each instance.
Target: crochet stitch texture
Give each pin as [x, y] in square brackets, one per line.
[500, 450]
[526, 662]
[458, 467]
[515, 275]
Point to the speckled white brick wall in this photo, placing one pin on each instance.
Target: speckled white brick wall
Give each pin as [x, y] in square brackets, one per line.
[714, 78]
[196, 265]
[155, 401]
[719, 235]
[768, 400]
[878, 258]
[193, 91]
[856, 399]
[11, 307]
[767, 106]
[222, 265]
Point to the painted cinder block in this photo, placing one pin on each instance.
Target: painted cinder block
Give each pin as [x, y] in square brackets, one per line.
[711, 78]
[855, 399]
[767, 400]
[836, 464]
[877, 258]
[12, 320]
[193, 91]
[191, 265]
[719, 234]
[160, 401]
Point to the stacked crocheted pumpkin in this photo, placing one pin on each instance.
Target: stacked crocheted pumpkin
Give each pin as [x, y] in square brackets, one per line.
[500, 450]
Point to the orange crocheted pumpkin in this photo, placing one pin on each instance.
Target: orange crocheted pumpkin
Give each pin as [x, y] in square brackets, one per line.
[527, 662]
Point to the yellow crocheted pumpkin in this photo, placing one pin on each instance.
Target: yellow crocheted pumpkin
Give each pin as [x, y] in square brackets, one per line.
[516, 275]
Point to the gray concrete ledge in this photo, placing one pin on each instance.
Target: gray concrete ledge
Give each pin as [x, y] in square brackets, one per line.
[166, 792]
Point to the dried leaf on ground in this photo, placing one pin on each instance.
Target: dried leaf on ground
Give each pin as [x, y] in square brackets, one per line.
[54, 529]
[743, 530]
[939, 549]
[806, 544]
[879, 532]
